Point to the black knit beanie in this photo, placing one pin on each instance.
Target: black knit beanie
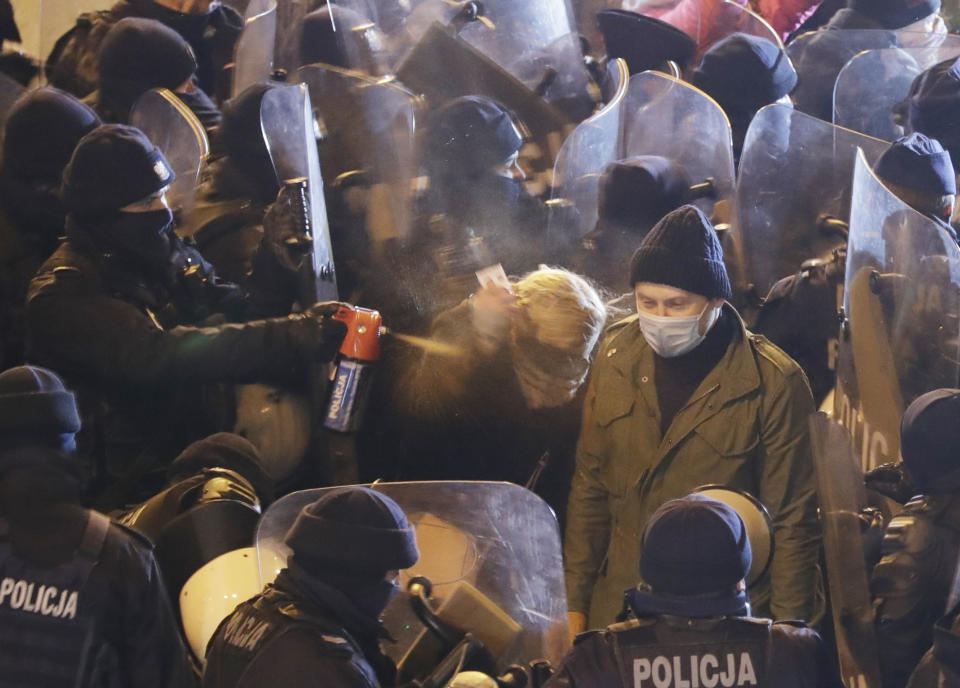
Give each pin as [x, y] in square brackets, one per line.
[42, 129]
[225, 450]
[113, 166]
[36, 409]
[138, 55]
[682, 251]
[355, 529]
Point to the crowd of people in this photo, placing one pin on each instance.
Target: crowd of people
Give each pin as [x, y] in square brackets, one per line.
[571, 308]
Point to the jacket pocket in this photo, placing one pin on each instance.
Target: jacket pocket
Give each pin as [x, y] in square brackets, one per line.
[730, 436]
[611, 407]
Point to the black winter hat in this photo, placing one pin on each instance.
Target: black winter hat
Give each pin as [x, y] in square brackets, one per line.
[895, 14]
[474, 133]
[140, 54]
[682, 251]
[644, 42]
[350, 40]
[695, 553]
[355, 529]
[113, 166]
[225, 450]
[636, 192]
[930, 441]
[42, 129]
[743, 73]
[920, 163]
[934, 105]
[36, 409]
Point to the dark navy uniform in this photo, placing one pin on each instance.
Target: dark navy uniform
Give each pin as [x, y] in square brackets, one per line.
[101, 620]
[683, 652]
[912, 581]
[286, 636]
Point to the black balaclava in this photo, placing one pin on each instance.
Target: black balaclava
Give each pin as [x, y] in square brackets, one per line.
[138, 55]
[113, 166]
[40, 133]
[349, 539]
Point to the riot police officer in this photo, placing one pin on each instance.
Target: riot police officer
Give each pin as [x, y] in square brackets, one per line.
[911, 582]
[211, 28]
[135, 316]
[692, 622]
[40, 134]
[319, 621]
[799, 314]
[141, 54]
[744, 73]
[81, 598]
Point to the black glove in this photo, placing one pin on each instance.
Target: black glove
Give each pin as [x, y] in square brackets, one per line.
[316, 334]
[891, 480]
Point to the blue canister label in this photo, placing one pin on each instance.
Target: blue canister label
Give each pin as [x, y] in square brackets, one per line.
[344, 410]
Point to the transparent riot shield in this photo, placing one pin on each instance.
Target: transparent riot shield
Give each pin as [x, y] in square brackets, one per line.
[368, 126]
[534, 41]
[442, 67]
[902, 305]
[796, 172]
[491, 552]
[819, 56]
[842, 496]
[585, 154]
[253, 54]
[668, 117]
[176, 131]
[873, 82]
[289, 130]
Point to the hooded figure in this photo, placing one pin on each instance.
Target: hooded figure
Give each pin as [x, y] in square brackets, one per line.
[913, 580]
[744, 73]
[320, 618]
[691, 605]
[90, 609]
[346, 39]
[138, 55]
[137, 316]
[40, 134]
[471, 151]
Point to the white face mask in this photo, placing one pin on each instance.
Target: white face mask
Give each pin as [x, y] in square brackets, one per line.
[673, 336]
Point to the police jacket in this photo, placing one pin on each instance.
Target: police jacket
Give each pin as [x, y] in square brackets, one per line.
[297, 635]
[101, 620]
[72, 63]
[911, 583]
[745, 426]
[674, 652]
[145, 377]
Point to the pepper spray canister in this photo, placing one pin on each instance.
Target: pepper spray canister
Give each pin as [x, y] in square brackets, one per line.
[355, 366]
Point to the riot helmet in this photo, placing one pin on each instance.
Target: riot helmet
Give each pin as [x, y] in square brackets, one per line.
[930, 441]
[341, 37]
[644, 42]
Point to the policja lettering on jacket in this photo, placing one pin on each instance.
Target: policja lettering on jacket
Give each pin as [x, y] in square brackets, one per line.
[695, 671]
[39, 599]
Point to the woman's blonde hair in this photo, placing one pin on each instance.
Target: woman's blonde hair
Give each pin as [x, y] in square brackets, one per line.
[563, 306]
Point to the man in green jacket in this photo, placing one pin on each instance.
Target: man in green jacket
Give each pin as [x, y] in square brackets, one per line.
[682, 395]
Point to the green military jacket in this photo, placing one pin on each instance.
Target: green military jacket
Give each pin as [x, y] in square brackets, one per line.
[746, 426]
